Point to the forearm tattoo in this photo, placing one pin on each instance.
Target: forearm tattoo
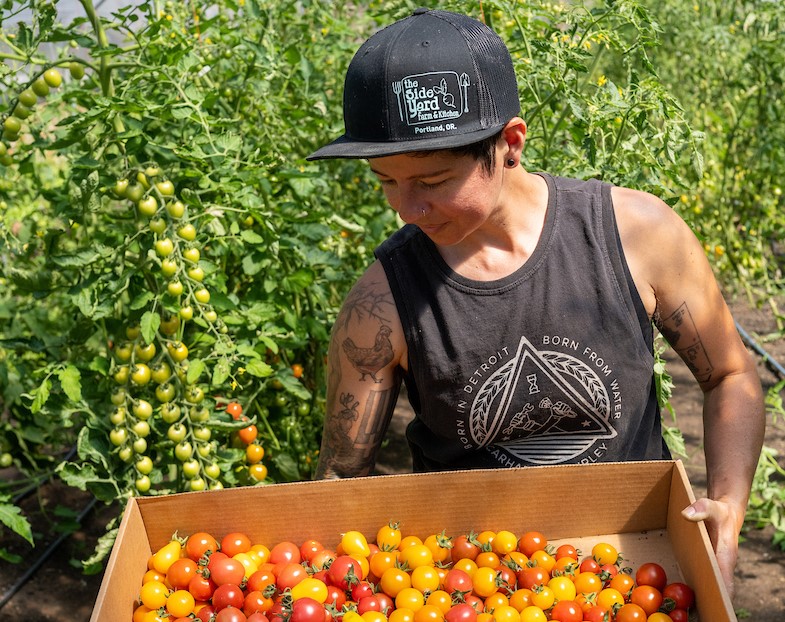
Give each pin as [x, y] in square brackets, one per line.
[680, 331]
[351, 439]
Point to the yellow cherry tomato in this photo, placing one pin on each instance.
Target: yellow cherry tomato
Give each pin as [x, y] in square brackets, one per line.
[166, 556]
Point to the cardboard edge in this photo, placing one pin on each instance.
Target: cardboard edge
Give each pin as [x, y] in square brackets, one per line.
[352, 498]
[113, 594]
[697, 563]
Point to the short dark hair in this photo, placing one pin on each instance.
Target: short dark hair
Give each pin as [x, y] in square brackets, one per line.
[483, 151]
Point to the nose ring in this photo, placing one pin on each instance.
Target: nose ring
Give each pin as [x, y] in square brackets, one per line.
[423, 211]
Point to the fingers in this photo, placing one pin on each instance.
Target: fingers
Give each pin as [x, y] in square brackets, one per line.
[722, 533]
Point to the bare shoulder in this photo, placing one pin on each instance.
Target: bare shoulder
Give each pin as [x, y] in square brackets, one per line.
[660, 248]
[641, 212]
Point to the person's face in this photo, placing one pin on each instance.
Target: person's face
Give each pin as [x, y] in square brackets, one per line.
[447, 196]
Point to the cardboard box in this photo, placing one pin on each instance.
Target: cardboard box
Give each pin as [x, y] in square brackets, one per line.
[635, 506]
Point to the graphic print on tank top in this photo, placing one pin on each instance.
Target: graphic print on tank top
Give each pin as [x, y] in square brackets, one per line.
[543, 406]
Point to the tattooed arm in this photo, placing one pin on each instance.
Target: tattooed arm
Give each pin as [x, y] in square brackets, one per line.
[367, 347]
[678, 289]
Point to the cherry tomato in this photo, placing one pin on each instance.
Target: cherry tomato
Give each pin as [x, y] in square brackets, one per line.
[307, 610]
[248, 434]
[604, 553]
[354, 543]
[153, 594]
[388, 537]
[260, 580]
[630, 612]
[651, 573]
[345, 571]
[53, 78]
[647, 598]
[201, 587]
[462, 612]
[289, 575]
[226, 570]
[228, 595]
[465, 547]
[256, 602]
[234, 543]
[285, 552]
[392, 581]
[622, 582]
[567, 611]
[679, 615]
[532, 541]
[596, 613]
[180, 603]
[566, 550]
[234, 409]
[166, 556]
[681, 595]
[532, 576]
[230, 614]
[181, 572]
[457, 580]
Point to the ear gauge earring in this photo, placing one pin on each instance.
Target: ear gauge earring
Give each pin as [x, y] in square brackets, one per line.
[511, 162]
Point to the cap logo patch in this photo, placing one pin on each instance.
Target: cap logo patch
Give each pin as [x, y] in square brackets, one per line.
[427, 98]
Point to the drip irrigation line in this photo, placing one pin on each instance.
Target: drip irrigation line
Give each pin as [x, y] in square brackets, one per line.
[27, 490]
[768, 359]
[11, 591]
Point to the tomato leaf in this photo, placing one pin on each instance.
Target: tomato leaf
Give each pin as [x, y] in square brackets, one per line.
[149, 325]
[11, 517]
[220, 372]
[71, 381]
[141, 301]
[195, 369]
[41, 395]
[258, 368]
[287, 466]
[84, 477]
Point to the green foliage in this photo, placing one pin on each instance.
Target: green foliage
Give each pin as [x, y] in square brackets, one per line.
[201, 114]
[162, 199]
[726, 63]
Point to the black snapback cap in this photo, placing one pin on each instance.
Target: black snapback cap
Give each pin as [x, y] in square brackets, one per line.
[433, 80]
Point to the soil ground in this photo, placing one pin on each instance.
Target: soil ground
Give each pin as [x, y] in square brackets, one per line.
[57, 589]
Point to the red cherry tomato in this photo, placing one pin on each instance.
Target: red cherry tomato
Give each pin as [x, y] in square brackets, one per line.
[230, 614]
[226, 570]
[462, 612]
[567, 611]
[201, 588]
[307, 610]
[234, 543]
[652, 574]
[285, 552]
[682, 595]
[228, 595]
[344, 572]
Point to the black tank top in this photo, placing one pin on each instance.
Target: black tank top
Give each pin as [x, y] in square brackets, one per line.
[551, 364]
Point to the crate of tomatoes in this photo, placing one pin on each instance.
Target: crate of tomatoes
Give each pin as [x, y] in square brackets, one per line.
[602, 542]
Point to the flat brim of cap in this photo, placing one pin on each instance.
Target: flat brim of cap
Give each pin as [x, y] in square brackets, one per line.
[348, 148]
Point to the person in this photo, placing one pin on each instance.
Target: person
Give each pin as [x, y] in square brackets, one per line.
[517, 307]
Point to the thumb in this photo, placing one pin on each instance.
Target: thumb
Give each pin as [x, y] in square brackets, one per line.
[698, 511]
